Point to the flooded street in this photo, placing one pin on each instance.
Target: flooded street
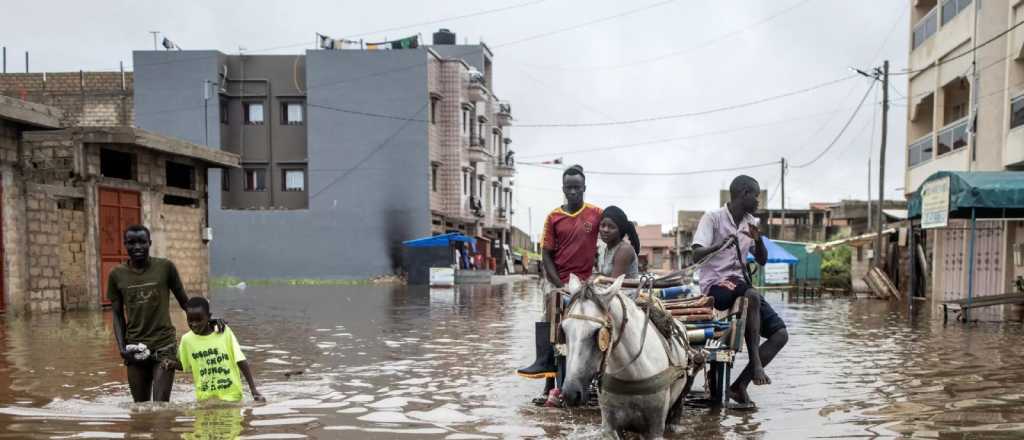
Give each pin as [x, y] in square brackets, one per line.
[375, 362]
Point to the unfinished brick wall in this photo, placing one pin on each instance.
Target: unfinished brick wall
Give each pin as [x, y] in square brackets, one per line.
[87, 98]
[180, 230]
[9, 138]
[71, 252]
[44, 270]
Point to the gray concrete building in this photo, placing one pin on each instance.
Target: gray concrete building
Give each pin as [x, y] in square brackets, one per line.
[344, 153]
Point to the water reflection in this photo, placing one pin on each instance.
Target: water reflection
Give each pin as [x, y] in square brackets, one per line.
[404, 362]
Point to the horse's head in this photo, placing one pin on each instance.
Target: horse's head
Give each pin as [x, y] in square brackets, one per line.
[588, 334]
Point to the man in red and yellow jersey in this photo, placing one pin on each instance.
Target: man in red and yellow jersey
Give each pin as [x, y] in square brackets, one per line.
[569, 245]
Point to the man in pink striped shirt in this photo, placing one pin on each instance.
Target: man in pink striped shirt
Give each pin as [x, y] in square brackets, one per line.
[723, 277]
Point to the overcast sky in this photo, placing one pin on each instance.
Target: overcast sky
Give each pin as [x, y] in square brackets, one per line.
[567, 61]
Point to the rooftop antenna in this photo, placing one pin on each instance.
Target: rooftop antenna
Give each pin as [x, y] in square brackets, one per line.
[155, 33]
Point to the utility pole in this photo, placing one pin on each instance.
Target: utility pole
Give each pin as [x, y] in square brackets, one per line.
[782, 232]
[884, 73]
[869, 191]
[529, 218]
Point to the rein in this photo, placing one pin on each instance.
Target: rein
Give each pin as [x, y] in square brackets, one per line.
[609, 382]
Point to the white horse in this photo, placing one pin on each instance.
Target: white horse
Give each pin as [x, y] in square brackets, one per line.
[643, 375]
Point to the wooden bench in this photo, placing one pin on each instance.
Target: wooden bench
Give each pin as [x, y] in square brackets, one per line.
[961, 305]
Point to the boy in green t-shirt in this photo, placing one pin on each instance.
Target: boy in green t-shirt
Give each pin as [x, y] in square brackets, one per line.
[214, 359]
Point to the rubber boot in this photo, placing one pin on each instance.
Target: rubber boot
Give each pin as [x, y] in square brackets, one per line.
[544, 366]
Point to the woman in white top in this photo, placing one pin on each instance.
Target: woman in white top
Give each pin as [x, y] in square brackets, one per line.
[616, 258]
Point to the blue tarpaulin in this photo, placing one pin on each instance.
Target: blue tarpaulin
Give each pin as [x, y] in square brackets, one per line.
[440, 240]
[776, 254]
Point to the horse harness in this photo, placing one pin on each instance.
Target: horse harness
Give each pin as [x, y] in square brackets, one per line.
[606, 345]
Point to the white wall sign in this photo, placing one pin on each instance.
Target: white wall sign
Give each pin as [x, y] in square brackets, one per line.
[935, 203]
[776, 273]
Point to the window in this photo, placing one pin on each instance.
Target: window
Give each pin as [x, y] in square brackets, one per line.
[952, 8]
[117, 164]
[1017, 112]
[179, 175]
[465, 182]
[223, 111]
[225, 179]
[465, 121]
[433, 177]
[292, 113]
[254, 113]
[181, 201]
[293, 180]
[924, 29]
[433, 109]
[255, 179]
[953, 137]
[920, 151]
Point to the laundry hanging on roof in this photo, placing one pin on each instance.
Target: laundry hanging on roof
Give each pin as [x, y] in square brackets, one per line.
[406, 43]
[329, 43]
[401, 43]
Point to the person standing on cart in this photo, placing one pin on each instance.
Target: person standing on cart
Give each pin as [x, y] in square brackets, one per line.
[569, 243]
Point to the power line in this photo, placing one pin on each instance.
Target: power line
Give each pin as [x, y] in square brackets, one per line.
[690, 114]
[365, 159]
[702, 45]
[612, 123]
[963, 54]
[367, 114]
[623, 196]
[843, 130]
[878, 52]
[680, 173]
[587, 23]
[391, 29]
[422, 23]
[472, 51]
[676, 138]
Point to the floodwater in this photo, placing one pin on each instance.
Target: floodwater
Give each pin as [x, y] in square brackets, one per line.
[400, 362]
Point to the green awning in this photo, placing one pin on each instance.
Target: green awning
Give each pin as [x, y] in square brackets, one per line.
[987, 192]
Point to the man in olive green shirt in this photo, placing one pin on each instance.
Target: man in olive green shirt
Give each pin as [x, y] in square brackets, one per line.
[139, 293]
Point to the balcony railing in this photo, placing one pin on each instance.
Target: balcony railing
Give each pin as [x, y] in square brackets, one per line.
[952, 8]
[920, 151]
[953, 137]
[925, 28]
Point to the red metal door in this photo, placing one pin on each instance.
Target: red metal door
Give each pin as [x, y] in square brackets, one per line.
[118, 209]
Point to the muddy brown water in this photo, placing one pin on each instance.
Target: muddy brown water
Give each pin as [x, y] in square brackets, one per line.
[401, 362]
